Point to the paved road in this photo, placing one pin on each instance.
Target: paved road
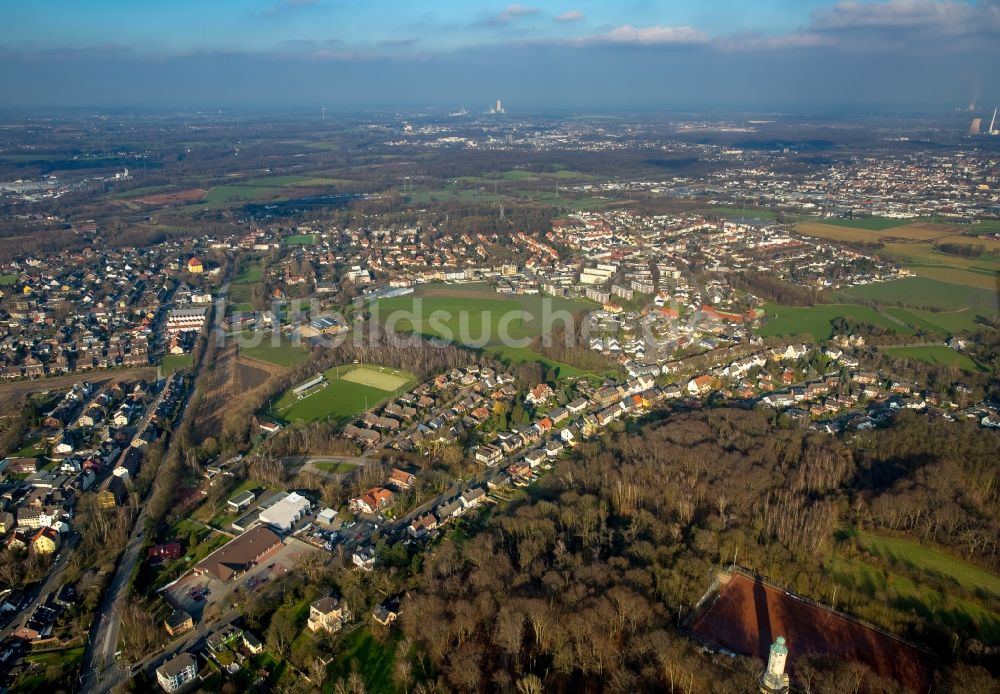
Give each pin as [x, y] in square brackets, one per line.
[101, 673]
[103, 641]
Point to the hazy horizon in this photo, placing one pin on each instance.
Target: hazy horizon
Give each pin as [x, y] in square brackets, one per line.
[900, 55]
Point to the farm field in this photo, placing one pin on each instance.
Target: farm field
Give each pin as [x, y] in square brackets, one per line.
[242, 293]
[816, 320]
[452, 194]
[938, 355]
[748, 212]
[579, 204]
[837, 232]
[173, 197]
[869, 223]
[912, 245]
[922, 258]
[305, 181]
[351, 389]
[519, 175]
[272, 348]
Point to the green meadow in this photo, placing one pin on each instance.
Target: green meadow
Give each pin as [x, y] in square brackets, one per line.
[816, 321]
[938, 355]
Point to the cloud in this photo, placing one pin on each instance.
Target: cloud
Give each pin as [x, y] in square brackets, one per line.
[653, 35]
[886, 25]
[571, 16]
[508, 15]
[947, 17]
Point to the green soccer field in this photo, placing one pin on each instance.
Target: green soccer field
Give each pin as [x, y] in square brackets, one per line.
[350, 390]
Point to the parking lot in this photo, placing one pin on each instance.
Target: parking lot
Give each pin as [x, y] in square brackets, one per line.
[194, 594]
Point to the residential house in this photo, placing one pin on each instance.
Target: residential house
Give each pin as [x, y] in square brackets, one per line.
[400, 479]
[220, 638]
[387, 611]
[178, 622]
[372, 500]
[422, 525]
[252, 643]
[329, 614]
[176, 672]
[364, 558]
[539, 394]
[46, 541]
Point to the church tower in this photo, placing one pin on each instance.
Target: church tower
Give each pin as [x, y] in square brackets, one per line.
[774, 680]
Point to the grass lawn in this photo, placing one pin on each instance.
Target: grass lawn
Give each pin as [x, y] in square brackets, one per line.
[300, 239]
[61, 664]
[206, 541]
[816, 320]
[913, 596]
[334, 468]
[242, 293]
[243, 307]
[522, 355]
[932, 561]
[253, 272]
[473, 314]
[374, 662]
[273, 348]
[223, 196]
[7, 280]
[31, 448]
[175, 362]
[932, 293]
[342, 398]
[939, 355]
[452, 194]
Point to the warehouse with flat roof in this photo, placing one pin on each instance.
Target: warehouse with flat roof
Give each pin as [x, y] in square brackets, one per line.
[284, 514]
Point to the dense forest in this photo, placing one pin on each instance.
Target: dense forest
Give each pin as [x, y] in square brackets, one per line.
[580, 585]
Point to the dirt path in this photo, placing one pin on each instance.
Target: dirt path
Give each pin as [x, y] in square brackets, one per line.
[13, 392]
[272, 369]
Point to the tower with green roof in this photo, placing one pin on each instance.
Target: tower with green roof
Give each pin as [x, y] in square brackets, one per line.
[774, 680]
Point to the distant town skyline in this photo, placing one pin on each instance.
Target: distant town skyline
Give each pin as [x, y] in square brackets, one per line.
[884, 55]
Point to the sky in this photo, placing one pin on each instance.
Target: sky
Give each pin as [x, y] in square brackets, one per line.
[766, 55]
